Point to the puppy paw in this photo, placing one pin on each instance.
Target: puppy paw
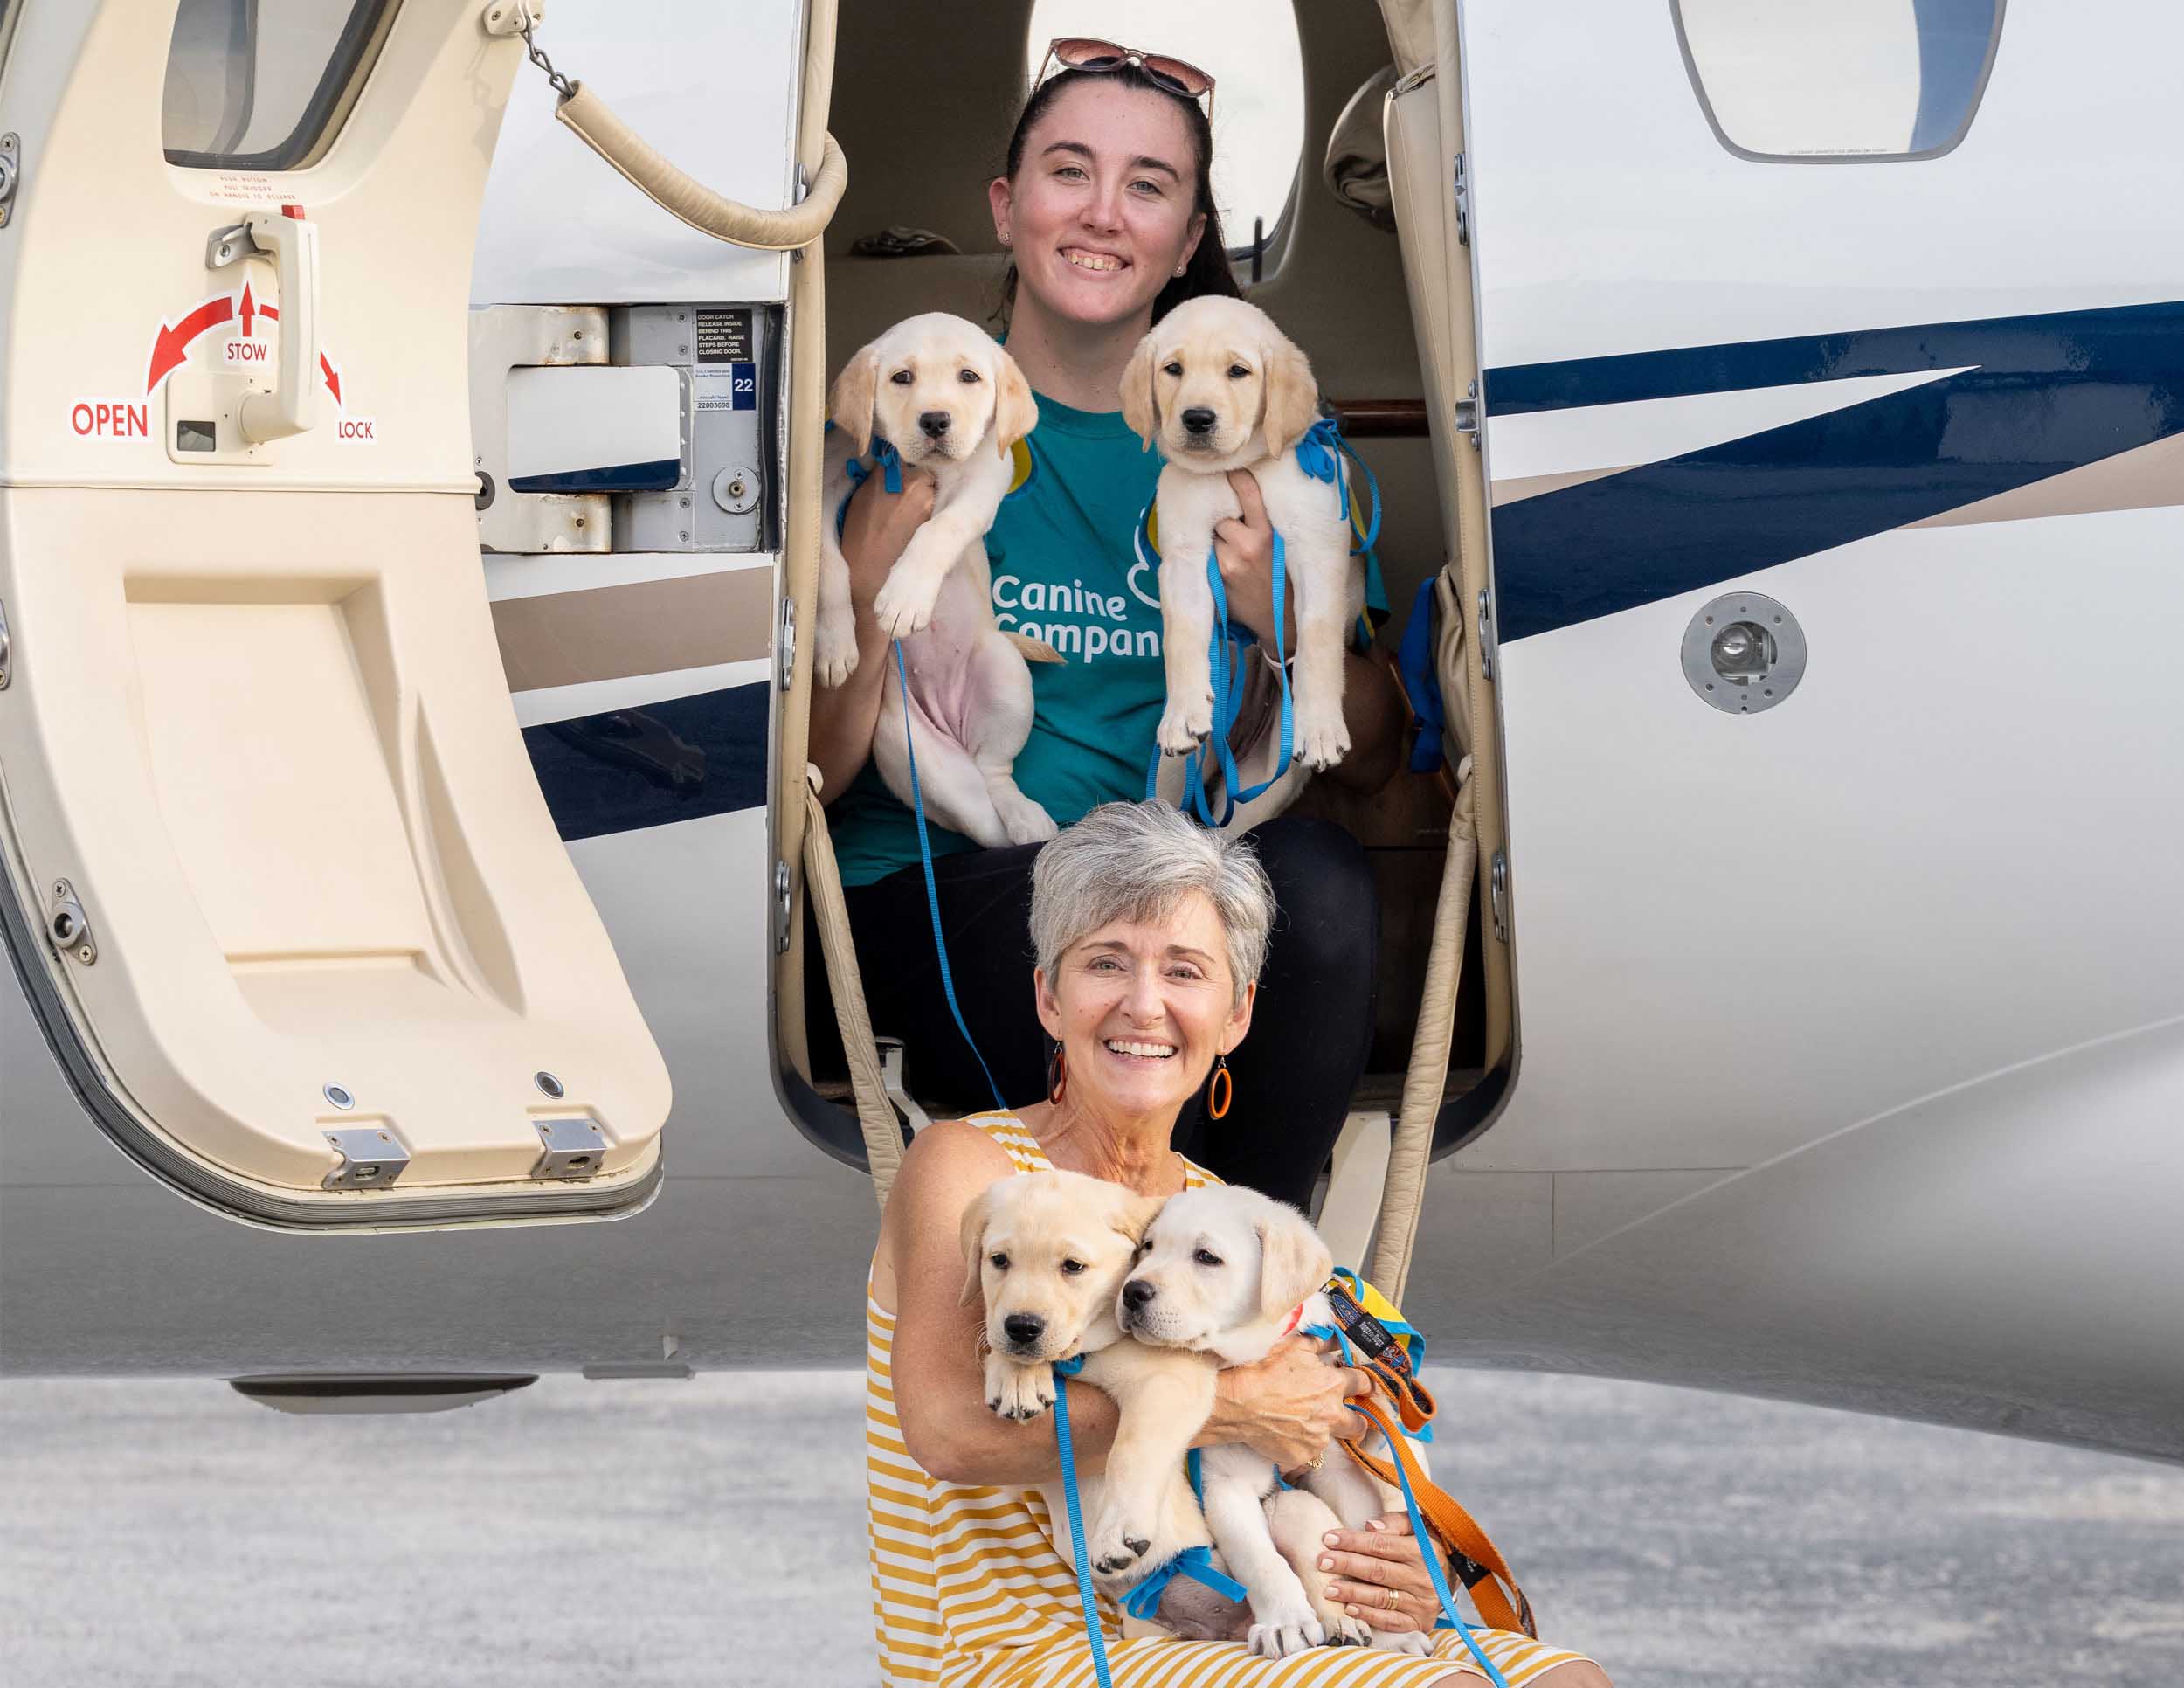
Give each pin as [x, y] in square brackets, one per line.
[834, 653]
[1018, 1391]
[1022, 820]
[1342, 1630]
[1184, 727]
[1118, 1544]
[1323, 740]
[1416, 1643]
[903, 607]
[1286, 1630]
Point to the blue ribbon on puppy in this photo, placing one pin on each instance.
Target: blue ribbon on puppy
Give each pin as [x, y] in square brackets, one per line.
[1197, 1563]
[886, 459]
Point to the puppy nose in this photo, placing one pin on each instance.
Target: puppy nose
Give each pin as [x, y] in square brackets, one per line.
[1198, 420]
[1023, 1327]
[1137, 1293]
[937, 423]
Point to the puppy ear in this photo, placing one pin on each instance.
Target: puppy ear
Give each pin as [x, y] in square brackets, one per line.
[1135, 1212]
[1015, 412]
[1292, 398]
[1293, 1261]
[849, 406]
[1141, 410]
[973, 1236]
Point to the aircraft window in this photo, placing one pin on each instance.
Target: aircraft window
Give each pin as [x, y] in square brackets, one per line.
[1250, 49]
[264, 88]
[1848, 81]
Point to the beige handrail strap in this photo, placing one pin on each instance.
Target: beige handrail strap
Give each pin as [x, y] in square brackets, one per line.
[1425, 1084]
[800, 542]
[684, 197]
[875, 1114]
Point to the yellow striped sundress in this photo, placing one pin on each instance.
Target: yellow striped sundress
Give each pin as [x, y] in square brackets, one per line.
[969, 1592]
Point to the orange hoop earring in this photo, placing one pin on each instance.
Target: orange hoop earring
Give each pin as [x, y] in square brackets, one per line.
[1057, 1075]
[1220, 1091]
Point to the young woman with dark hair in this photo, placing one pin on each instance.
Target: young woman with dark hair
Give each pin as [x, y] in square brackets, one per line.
[1105, 206]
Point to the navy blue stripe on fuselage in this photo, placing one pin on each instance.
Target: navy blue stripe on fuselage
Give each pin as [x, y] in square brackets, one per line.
[681, 758]
[658, 475]
[2049, 393]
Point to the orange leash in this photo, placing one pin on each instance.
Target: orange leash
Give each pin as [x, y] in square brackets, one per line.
[1477, 1559]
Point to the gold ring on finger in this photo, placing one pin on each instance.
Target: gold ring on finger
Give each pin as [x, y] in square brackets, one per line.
[1394, 1599]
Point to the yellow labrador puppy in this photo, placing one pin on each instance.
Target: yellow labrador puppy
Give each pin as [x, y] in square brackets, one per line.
[1225, 1273]
[949, 401]
[1049, 1251]
[1217, 387]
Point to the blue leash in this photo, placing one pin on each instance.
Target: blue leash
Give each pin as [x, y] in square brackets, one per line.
[1449, 1618]
[889, 463]
[1320, 452]
[1069, 1368]
[932, 891]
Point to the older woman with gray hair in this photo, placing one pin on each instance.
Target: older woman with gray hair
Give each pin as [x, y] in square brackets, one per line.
[1149, 934]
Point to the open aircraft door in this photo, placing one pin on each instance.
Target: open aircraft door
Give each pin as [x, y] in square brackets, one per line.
[1830, 481]
[280, 880]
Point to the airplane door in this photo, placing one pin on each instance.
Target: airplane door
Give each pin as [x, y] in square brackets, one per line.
[280, 883]
[1834, 409]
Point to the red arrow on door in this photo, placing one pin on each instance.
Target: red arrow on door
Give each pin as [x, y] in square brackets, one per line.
[171, 344]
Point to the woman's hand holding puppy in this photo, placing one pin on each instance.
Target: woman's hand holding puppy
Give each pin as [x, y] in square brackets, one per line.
[1244, 547]
[1289, 1407]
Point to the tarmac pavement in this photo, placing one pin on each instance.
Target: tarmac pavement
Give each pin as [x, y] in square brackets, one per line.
[711, 1532]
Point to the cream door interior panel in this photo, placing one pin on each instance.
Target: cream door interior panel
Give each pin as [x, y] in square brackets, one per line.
[328, 961]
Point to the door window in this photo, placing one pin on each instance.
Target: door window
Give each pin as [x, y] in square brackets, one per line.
[264, 88]
[1851, 80]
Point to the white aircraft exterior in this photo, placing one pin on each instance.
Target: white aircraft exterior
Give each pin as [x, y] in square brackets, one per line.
[401, 715]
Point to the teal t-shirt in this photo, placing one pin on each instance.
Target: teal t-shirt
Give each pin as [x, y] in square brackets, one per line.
[1066, 569]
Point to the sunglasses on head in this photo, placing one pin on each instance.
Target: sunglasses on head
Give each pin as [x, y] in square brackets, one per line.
[1084, 52]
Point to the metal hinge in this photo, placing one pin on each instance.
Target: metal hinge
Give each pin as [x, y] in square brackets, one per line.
[1486, 633]
[1467, 415]
[784, 645]
[784, 904]
[574, 1148]
[1497, 895]
[3, 647]
[1463, 204]
[372, 1159]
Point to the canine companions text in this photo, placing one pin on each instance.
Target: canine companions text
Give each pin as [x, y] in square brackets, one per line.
[949, 401]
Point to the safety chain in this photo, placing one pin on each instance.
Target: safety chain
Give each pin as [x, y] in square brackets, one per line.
[562, 85]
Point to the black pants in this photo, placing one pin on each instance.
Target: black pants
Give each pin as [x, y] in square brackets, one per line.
[1311, 1028]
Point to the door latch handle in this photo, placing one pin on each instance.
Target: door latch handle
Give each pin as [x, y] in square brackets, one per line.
[293, 406]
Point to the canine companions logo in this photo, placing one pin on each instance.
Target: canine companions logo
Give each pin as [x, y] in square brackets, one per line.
[1098, 624]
